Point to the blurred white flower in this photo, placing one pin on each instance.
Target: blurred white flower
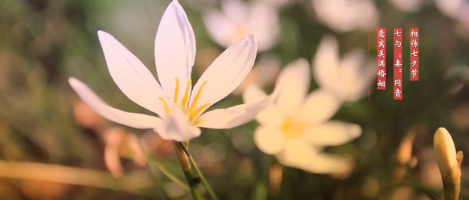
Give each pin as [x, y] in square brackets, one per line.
[119, 143]
[277, 4]
[263, 73]
[407, 5]
[455, 9]
[238, 18]
[295, 127]
[346, 78]
[346, 15]
[178, 105]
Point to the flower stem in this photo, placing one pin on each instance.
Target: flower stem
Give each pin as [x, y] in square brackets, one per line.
[186, 168]
[202, 178]
[168, 174]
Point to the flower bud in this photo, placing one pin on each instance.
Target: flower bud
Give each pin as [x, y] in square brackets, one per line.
[448, 163]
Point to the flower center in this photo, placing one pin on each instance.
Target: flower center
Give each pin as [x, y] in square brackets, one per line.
[192, 111]
[292, 128]
[240, 31]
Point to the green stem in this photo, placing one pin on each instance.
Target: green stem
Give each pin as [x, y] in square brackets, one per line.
[168, 174]
[186, 168]
[202, 178]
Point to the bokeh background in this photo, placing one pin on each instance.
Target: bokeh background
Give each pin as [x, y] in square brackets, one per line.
[52, 146]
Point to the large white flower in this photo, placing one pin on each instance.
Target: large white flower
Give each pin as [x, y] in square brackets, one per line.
[295, 127]
[178, 105]
[346, 15]
[347, 77]
[238, 18]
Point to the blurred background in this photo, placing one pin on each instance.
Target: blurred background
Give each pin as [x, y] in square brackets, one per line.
[53, 146]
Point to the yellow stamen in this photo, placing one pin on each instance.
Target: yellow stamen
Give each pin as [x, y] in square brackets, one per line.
[291, 128]
[166, 107]
[196, 112]
[196, 98]
[186, 94]
[176, 93]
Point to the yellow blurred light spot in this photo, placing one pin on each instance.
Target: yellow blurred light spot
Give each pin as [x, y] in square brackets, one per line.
[292, 128]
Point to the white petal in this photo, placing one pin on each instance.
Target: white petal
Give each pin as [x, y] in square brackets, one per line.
[235, 10]
[177, 127]
[232, 116]
[295, 79]
[253, 93]
[297, 153]
[264, 23]
[326, 64]
[332, 133]
[301, 155]
[445, 151]
[323, 163]
[130, 75]
[134, 120]
[269, 140]
[225, 73]
[271, 115]
[319, 106]
[219, 27]
[353, 76]
[174, 50]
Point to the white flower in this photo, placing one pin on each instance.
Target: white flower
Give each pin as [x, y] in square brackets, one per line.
[346, 15]
[238, 18]
[295, 128]
[178, 105]
[407, 5]
[121, 143]
[347, 78]
[456, 9]
[264, 73]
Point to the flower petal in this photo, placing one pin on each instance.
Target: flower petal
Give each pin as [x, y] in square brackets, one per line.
[134, 120]
[319, 106]
[332, 133]
[271, 115]
[323, 163]
[269, 140]
[306, 157]
[296, 153]
[225, 73]
[232, 116]
[174, 50]
[219, 27]
[264, 23]
[295, 79]
[236, 10]
[130, 75]
[177, 127]
[353, 76]
[444, 150]
[326, 64]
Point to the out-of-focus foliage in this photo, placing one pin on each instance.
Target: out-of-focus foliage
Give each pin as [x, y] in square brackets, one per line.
[43, 42]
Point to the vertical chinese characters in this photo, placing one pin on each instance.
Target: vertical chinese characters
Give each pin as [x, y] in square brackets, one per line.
[397, 60]
[381, 58]
[414, 54]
